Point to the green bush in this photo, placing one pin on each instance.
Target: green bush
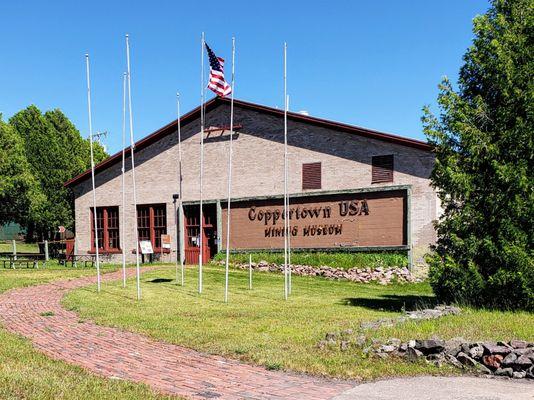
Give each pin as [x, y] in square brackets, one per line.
[464, 284]
[344, 260]
[453, 283]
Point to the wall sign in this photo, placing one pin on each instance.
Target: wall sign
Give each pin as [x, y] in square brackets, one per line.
[344, 220]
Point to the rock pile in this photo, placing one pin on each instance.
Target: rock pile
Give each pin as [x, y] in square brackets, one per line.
[513, 359]
[427, 313]
[380, 275]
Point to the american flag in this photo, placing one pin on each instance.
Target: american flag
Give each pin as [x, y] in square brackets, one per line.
[217, 83]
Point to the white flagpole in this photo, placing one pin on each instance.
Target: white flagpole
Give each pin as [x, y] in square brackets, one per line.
[201, 222]
[132, 149]
[179, 242]
[95, 221]
[123, 231]
[286, 214]
[289, 219]
[229, 176]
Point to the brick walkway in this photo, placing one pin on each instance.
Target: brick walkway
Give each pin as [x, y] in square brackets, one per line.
[167, 368]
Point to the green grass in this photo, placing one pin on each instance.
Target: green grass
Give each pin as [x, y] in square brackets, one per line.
[25, 373]
[258, 326]
[338, 260]
[22, 247]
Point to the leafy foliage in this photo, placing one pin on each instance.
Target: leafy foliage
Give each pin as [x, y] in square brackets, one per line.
[20, 194]
[50, 151]
[484, 165]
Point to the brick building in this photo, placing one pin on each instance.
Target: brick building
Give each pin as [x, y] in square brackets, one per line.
[351, 188]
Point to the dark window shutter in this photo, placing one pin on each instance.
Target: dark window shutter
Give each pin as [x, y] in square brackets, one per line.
[382, 170]
[311, 176]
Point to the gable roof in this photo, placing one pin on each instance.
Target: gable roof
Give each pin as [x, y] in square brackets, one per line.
[193, 114]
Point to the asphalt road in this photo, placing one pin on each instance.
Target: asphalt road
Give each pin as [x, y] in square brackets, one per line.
[442, 388]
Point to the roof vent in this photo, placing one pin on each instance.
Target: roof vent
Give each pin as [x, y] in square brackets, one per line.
[304, 112]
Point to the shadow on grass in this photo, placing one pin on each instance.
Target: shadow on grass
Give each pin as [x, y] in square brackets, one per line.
[160, 280]
[391, 302]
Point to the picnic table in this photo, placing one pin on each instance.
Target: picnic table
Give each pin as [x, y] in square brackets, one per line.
[23, 259]
[74, 259]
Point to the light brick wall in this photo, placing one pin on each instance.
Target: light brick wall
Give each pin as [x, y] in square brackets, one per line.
[257, 170]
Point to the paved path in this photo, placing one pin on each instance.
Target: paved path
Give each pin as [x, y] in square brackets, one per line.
[442, 388]
[168, 368]
[173, 369]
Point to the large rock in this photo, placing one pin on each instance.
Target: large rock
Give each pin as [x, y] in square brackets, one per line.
[509, 360]
[522, 362]
[412, 354]
[466, 360]
[493, 361]
[430, 346]
[518, 344]
[492, 348]
[504, 372]
[476, 351]
[519, 374]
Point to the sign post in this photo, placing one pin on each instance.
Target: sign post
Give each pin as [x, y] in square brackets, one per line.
[165, 243]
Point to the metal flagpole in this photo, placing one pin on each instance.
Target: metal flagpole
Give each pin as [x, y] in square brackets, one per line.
[132, 149]
[180, 206]
[289, 213]
[95, 221]
[229, 176]
[123, 185]
[201, 222]
[286, 214]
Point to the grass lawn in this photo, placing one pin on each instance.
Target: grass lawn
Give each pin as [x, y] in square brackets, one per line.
[21, 247]
[259, 326]
[25, 373]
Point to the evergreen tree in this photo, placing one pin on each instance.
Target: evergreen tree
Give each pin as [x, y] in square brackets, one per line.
[484, 165]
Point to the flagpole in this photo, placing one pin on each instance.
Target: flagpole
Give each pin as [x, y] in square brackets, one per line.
[95, 221]
[201, 225]
[286, 214]
[132, 149]
[123, 183]
[179, 242]
[289, 219]
[229, 175]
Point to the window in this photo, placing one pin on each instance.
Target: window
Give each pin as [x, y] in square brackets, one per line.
[152, 223]
[382, 169]
[311, 176]
[107, 220]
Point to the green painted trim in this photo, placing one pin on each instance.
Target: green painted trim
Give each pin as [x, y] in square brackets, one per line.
[219, 226]
[409, 227]
[197, 202]
[326, 249]
[372, 189]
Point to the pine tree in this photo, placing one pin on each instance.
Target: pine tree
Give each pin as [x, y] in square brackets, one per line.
[484, 151]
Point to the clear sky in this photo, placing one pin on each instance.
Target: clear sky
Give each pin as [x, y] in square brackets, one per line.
[368, 63]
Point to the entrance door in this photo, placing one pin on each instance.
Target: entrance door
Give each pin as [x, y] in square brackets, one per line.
[192, 233]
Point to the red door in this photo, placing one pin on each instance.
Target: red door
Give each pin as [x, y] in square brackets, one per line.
[192, 230]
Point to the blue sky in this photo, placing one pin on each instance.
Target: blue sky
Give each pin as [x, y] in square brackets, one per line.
[368, 63]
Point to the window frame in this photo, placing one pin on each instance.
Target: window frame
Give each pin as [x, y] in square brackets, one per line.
[152, 227]
[103, 243]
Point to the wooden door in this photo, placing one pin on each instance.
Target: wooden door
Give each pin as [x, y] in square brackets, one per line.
[192, 232]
